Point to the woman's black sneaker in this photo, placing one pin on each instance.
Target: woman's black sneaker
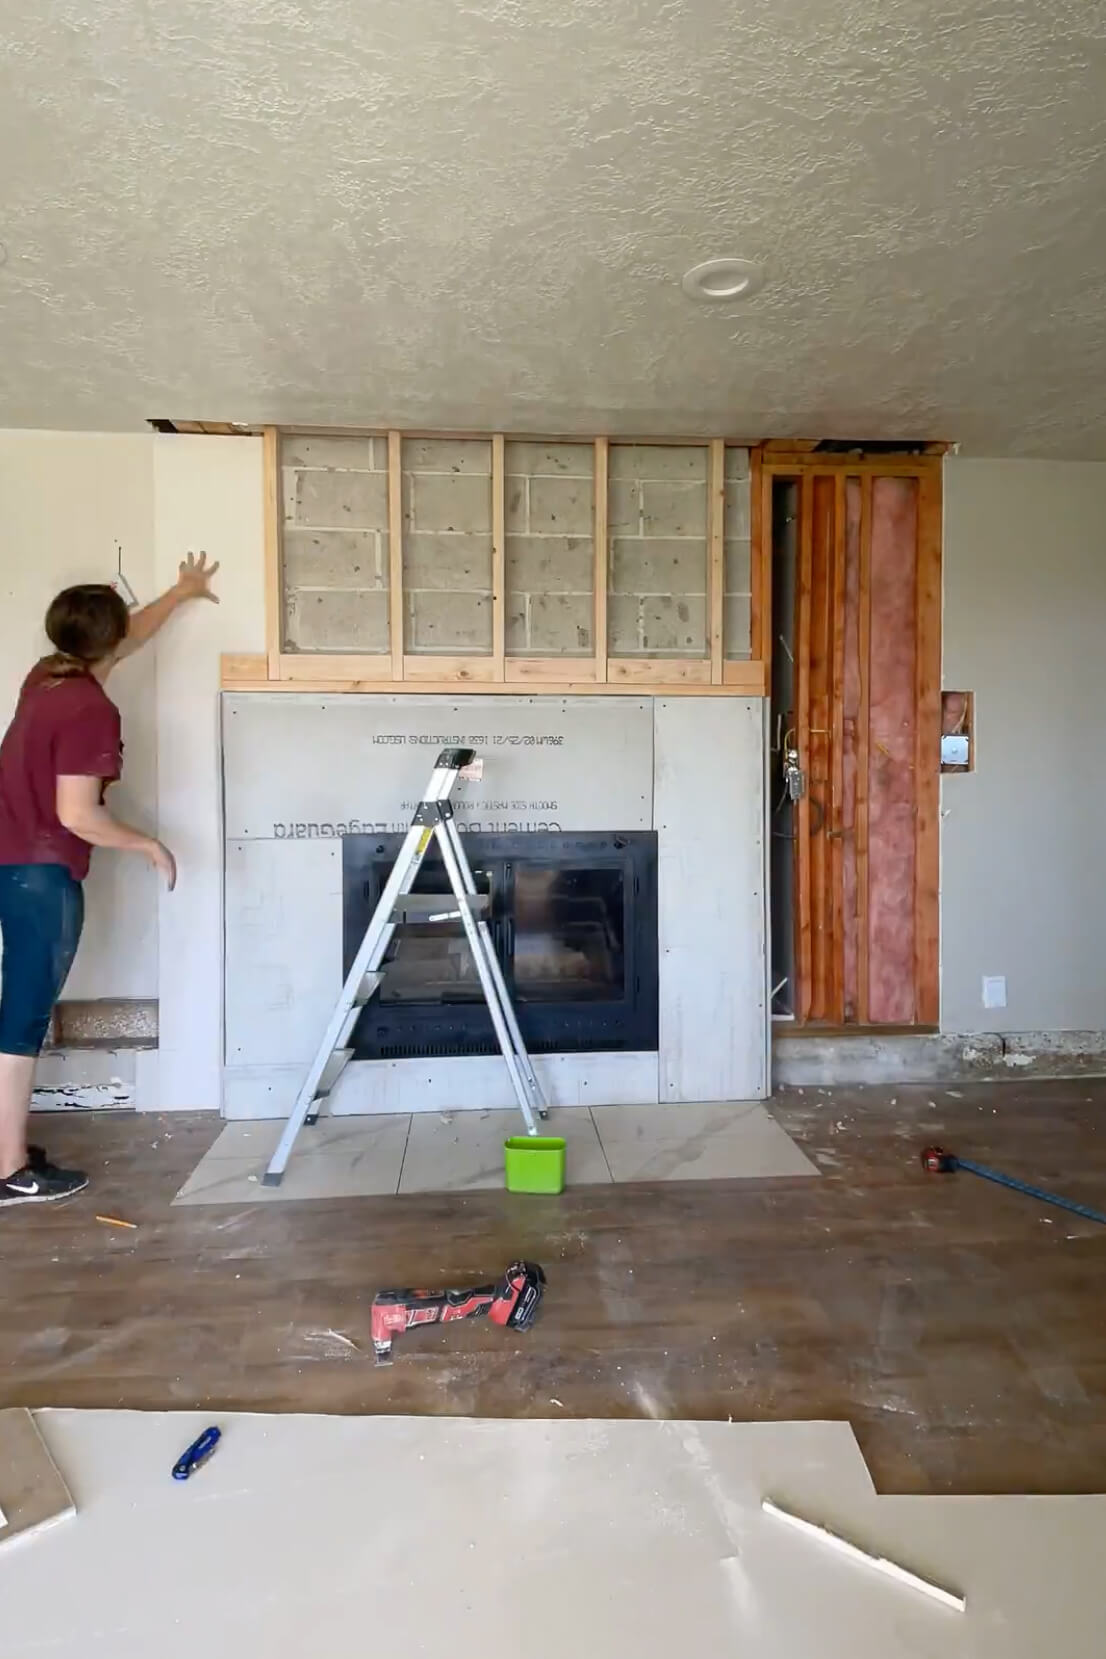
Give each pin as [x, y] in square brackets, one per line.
[40, 1181]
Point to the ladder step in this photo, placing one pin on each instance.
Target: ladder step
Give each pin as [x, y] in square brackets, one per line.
[369, 985]
[333, 1069]
[438, 907]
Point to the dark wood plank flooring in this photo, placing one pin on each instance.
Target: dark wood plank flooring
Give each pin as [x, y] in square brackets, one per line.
[958, 1327]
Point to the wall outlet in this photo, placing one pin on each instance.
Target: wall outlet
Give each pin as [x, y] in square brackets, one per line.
[994, 991]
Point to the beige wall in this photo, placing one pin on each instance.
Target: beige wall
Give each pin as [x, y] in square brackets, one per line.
[1023, 855]
[208, 494]
[66, 499]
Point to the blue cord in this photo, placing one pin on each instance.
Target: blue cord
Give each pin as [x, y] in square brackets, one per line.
[1030, 1192]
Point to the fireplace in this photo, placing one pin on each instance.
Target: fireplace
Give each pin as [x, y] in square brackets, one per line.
[573, 918]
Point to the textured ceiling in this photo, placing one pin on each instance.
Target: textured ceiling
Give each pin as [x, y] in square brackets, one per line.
[475, 213]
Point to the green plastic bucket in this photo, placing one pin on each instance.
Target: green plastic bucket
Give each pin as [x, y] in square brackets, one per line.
[535, 1163]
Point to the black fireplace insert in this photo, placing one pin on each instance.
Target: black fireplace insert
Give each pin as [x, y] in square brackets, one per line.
[574, 922]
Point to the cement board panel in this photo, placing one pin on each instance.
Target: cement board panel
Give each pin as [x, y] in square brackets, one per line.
[315, 768]
[711, 898]
[283, 949]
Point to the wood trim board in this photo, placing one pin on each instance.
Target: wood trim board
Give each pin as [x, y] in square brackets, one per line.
[243, 671]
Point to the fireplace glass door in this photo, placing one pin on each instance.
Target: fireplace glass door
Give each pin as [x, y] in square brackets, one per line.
[573, 920]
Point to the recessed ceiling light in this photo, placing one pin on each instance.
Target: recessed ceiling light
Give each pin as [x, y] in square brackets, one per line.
[718, 281]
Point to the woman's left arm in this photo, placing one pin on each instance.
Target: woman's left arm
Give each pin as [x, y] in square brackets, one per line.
[194, 582]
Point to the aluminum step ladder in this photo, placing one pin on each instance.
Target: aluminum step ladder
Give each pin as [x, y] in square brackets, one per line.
[433, 821]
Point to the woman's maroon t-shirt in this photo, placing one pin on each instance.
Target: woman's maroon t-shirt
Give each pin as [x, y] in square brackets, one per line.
[61, 728]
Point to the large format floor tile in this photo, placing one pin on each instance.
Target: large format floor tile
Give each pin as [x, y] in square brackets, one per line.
[351, 1157]
[711, 1142]
[464, 1150]
[335, 1158]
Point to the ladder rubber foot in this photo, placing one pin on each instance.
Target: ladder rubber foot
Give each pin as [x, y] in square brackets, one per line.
[270, 1180]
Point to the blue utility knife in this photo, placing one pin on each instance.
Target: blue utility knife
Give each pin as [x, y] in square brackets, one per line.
[197, 1454]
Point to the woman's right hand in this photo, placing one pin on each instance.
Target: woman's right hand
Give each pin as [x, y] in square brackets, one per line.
[162, 860]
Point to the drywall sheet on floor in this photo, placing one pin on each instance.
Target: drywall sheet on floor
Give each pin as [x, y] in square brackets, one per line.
[311, 767]
[711, 898]
[488, 1540]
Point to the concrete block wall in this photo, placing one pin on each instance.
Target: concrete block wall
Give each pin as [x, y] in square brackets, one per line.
[550, 554]
[447, 546]
[737, 576]
[335, 548]
[335, 544]
[657, 566]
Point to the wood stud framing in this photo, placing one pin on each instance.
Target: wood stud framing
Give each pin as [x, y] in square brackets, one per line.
[837, 750]
[863, 757]
[600, 673]
[716, 532]
[822, 995]
[820, 889]
[928, 748]
[760, 552]
[804, 933]
[274, 587]
[601, 542]
[499, 556]
[396, 619]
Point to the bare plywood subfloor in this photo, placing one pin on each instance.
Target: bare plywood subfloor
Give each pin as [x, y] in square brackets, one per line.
[486, 1539]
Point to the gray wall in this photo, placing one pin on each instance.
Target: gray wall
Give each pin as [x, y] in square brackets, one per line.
[1023, 859]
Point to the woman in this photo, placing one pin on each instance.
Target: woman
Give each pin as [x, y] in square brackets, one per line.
[62, 750]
